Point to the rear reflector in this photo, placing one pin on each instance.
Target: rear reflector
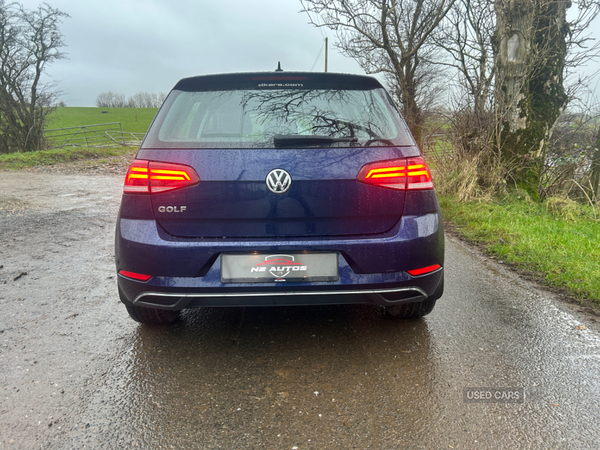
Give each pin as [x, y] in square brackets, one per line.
[135, 276]
[402, 174]
[145, 177]
[424, 270]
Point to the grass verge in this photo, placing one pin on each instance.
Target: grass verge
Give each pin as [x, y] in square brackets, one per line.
[556, 242]
[16, 161]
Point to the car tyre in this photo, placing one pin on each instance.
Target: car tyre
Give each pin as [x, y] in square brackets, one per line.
[411, 310]
[151, 316]
[414, 310]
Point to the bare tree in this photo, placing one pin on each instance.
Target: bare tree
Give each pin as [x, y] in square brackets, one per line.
[140, 100]
[146, 100]
[466, 34]
[535, 48]
[393, 37]
[29, 42]
[535, 43]
[582, 48]
[111, 100]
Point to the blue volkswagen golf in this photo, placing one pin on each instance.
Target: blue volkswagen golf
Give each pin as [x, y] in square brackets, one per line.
[280, 188]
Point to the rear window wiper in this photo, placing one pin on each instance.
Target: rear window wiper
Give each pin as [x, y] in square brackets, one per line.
[382, 140]
[303, 140]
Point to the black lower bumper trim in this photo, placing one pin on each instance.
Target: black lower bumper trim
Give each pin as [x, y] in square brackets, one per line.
[177, 301]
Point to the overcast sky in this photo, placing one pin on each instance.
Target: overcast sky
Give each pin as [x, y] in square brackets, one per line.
[130, 46]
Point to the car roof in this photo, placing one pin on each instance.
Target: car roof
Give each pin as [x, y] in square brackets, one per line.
[277, 80]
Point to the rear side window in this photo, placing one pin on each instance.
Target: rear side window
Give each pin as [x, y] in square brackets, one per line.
[277, 118]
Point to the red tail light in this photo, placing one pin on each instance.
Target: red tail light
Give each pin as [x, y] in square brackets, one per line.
[135, 276]
[154, 177]
[424, 270]
[402, 174]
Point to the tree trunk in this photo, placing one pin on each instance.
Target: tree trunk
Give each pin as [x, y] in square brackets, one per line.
[595, 178]
[530, 46]
[410, 109]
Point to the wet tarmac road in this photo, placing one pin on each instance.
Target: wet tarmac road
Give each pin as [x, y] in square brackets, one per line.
[76, 372]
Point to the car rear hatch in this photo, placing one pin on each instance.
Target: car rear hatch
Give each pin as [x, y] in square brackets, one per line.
[233, 200]
[320, 130]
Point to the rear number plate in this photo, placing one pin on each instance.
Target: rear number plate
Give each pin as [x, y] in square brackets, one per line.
[281, 268]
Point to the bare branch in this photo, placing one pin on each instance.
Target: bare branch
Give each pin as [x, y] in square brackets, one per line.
[389, 37]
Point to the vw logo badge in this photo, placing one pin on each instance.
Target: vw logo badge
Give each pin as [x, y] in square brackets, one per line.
[279, 181]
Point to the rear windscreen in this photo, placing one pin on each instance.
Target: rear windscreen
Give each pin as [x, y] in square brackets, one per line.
[277, 118]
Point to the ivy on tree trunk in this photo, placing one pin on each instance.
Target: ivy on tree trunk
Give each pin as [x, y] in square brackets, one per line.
[530, 46]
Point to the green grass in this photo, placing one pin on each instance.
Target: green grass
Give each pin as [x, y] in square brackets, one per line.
[16, 161]
[560, 244]
[133, 120]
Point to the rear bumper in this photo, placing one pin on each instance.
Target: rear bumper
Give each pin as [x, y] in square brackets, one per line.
[186, 272]
[176, 298]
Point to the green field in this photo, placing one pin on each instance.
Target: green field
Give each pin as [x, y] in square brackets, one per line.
[133, 120]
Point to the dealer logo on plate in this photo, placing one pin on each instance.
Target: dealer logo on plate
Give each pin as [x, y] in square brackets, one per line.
[280, 266]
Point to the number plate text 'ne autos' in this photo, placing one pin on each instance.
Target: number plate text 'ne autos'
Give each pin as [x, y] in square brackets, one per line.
[279, 268]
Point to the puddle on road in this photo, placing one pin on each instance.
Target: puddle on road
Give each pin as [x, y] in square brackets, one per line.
[345, 377]
[272, 376]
